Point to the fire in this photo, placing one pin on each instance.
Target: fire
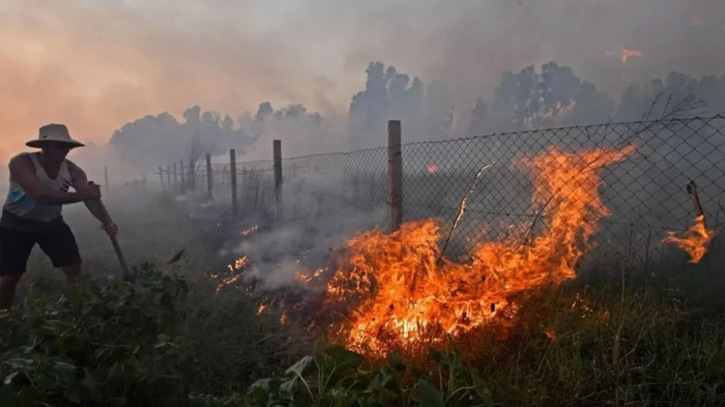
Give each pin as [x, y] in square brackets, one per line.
[237, 270]
[630, 53]
[432, 169]
[695, 240]
[238, 264]
[306, 278]
[401, 290]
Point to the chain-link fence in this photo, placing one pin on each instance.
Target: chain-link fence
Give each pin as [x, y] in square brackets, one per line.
[644, 191]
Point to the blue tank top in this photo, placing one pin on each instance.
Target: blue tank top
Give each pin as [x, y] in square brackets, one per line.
[22, 205]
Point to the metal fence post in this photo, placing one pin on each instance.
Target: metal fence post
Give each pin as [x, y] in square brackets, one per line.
[277, 153]
[233, 174]
[395, 175]
[209, 177]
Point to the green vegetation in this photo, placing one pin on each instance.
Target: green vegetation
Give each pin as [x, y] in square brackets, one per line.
[169, 339]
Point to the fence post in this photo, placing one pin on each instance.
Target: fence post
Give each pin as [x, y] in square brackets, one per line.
[176, 181]
[209, 177]
[168, 180]
[277, 153]
[395, 175]
[161, 178]
[192, 174]
[105, 174]
[183, 177]
[233, 175]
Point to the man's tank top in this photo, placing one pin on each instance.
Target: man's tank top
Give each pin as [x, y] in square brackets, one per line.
[20, 204]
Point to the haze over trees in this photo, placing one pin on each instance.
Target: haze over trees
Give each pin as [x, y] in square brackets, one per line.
[551, 95]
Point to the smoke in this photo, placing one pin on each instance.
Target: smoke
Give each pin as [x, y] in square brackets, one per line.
[94, 65]
[318, 213]
[148, 83]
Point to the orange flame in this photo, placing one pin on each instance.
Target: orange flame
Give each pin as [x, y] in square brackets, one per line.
[403, 291]
[630, 53]
[237, 270]
[695, 240]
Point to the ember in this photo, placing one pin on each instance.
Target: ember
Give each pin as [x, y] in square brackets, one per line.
[248, 231]
[630, 53]
[399, 289]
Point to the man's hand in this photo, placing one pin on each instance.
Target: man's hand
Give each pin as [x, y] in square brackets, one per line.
[111, 229]
[91, 193]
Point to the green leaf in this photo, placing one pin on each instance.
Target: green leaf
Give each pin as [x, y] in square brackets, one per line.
[9, 378]
[302, 366]
[262, 385]
[396, 361]
[288, 389]
[435, 355]
[344, 357]
[429, 396]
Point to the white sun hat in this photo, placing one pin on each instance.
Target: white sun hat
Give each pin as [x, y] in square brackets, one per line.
[54, 132]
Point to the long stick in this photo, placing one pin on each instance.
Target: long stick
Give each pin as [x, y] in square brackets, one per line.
[127, 276]
[126, 272]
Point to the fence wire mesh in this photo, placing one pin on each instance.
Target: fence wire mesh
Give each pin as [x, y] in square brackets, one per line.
[644, 192]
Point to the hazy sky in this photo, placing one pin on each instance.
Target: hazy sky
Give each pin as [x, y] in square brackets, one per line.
[97, 64]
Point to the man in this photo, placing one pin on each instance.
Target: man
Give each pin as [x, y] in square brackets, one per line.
[39, 187]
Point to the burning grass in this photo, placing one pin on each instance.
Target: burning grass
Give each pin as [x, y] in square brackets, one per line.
[398, 290]
[695, 240]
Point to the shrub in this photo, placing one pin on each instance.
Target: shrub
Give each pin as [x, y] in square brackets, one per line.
[114, 344]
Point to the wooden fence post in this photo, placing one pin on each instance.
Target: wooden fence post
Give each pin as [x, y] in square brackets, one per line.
[233, 175]
[105, 174]
[168, 180]
[277, 153]
[192, 174]
[395, 175]
[209, 177]
[176, 181]
[161, 178]
[183, 177]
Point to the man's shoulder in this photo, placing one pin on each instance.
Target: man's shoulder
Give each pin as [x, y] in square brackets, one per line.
[20, 159]
[72, 166]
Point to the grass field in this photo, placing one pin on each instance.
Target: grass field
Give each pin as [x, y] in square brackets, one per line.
[169, 339]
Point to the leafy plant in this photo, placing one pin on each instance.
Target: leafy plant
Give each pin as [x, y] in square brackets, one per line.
[115, 343]
[339, 378]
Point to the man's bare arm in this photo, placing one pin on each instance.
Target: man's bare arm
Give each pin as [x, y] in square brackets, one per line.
[23, 172]
[80, 184]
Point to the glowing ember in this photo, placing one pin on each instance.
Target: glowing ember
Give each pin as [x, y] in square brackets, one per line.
[400, 290]
[695, 240]
[432, 169]
[630, 53]
[248, 231]
[238, 264]
[560, 110]
[306, 278]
